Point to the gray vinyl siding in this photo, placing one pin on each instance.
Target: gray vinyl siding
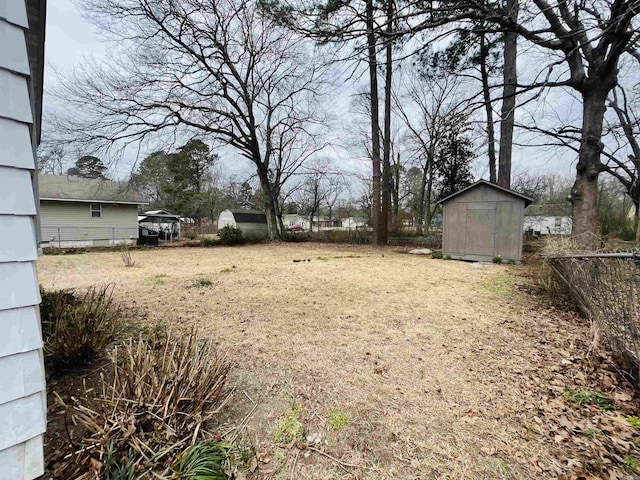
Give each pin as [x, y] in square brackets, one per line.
[22, 381]
[72, 221]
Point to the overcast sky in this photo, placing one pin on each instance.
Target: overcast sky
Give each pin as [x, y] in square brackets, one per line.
[70, 39]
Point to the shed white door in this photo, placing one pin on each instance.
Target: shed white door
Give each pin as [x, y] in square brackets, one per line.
[480, 233]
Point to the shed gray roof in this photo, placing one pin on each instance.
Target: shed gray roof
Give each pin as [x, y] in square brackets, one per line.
[527, 200]
[249, 216]
[69, 188]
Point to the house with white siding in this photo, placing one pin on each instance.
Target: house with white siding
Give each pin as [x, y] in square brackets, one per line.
[87, 212]
[22, 381]
[548, 219]
[294, 221]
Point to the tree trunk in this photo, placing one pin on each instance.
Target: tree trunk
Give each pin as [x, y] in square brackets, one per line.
[486, 93]
[280, 223]
[584, 194]
[375, 126]
[396, 188]
[387, 220]
[421, 196]
[271, 203]
[429, 215]
[510, 79]
[636, 204]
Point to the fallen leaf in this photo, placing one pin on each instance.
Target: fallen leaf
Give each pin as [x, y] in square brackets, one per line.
[488, 450]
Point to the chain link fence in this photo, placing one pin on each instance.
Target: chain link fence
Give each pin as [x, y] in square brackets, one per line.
[607, 288]
[86, 236]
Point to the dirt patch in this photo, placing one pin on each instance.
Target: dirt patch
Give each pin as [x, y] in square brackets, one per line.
[437, 370]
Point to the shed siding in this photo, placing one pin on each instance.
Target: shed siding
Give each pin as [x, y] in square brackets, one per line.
[255, 230]
[72, 221]
[454, 234]
[22, 385]
[226, 219]
[508, 238]
[481, 223]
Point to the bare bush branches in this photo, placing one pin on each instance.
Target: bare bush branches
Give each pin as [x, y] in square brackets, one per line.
[158, 400]
[77, 327]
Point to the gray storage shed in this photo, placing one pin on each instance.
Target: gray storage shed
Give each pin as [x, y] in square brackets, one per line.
[253, 224]
[483, 221]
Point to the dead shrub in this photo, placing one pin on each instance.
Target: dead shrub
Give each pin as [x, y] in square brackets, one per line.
[127, 258]
[77, 327]
[161, 397]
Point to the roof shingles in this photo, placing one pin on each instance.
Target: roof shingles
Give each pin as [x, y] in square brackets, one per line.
[69, 188]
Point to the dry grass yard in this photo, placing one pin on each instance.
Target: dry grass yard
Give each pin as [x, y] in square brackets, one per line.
[373, 364]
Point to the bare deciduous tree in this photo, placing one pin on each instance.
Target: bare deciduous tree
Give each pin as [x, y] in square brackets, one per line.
[216, 67]
[436, 111]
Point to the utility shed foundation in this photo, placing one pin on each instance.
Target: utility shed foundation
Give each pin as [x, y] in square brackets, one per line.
[483, 221]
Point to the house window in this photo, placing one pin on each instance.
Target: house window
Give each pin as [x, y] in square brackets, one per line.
[558, 221]
[96, 210]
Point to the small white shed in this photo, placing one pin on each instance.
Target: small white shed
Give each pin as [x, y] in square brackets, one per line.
[252, 224]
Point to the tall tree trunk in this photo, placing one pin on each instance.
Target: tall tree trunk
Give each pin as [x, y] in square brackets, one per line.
[508, 99]
[271, 203]
[421, 197]
[396, 187]
[387, 219]
[636, 204]
[486, 93]
[429, 211]
[378, 239]
[584, 194]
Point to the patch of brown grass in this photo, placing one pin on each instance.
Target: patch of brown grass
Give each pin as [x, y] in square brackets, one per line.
[439, 377]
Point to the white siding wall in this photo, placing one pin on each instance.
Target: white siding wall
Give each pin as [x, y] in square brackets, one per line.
[22, 385]
[548, 225]
[226, 219]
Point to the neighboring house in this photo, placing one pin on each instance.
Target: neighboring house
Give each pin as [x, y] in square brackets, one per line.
[353, 222]
[23, 404]
[548, 219]
[166, 224]
[87, 212]
[324, 223]
[483, 221]
[292, 220]
[253, 224]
